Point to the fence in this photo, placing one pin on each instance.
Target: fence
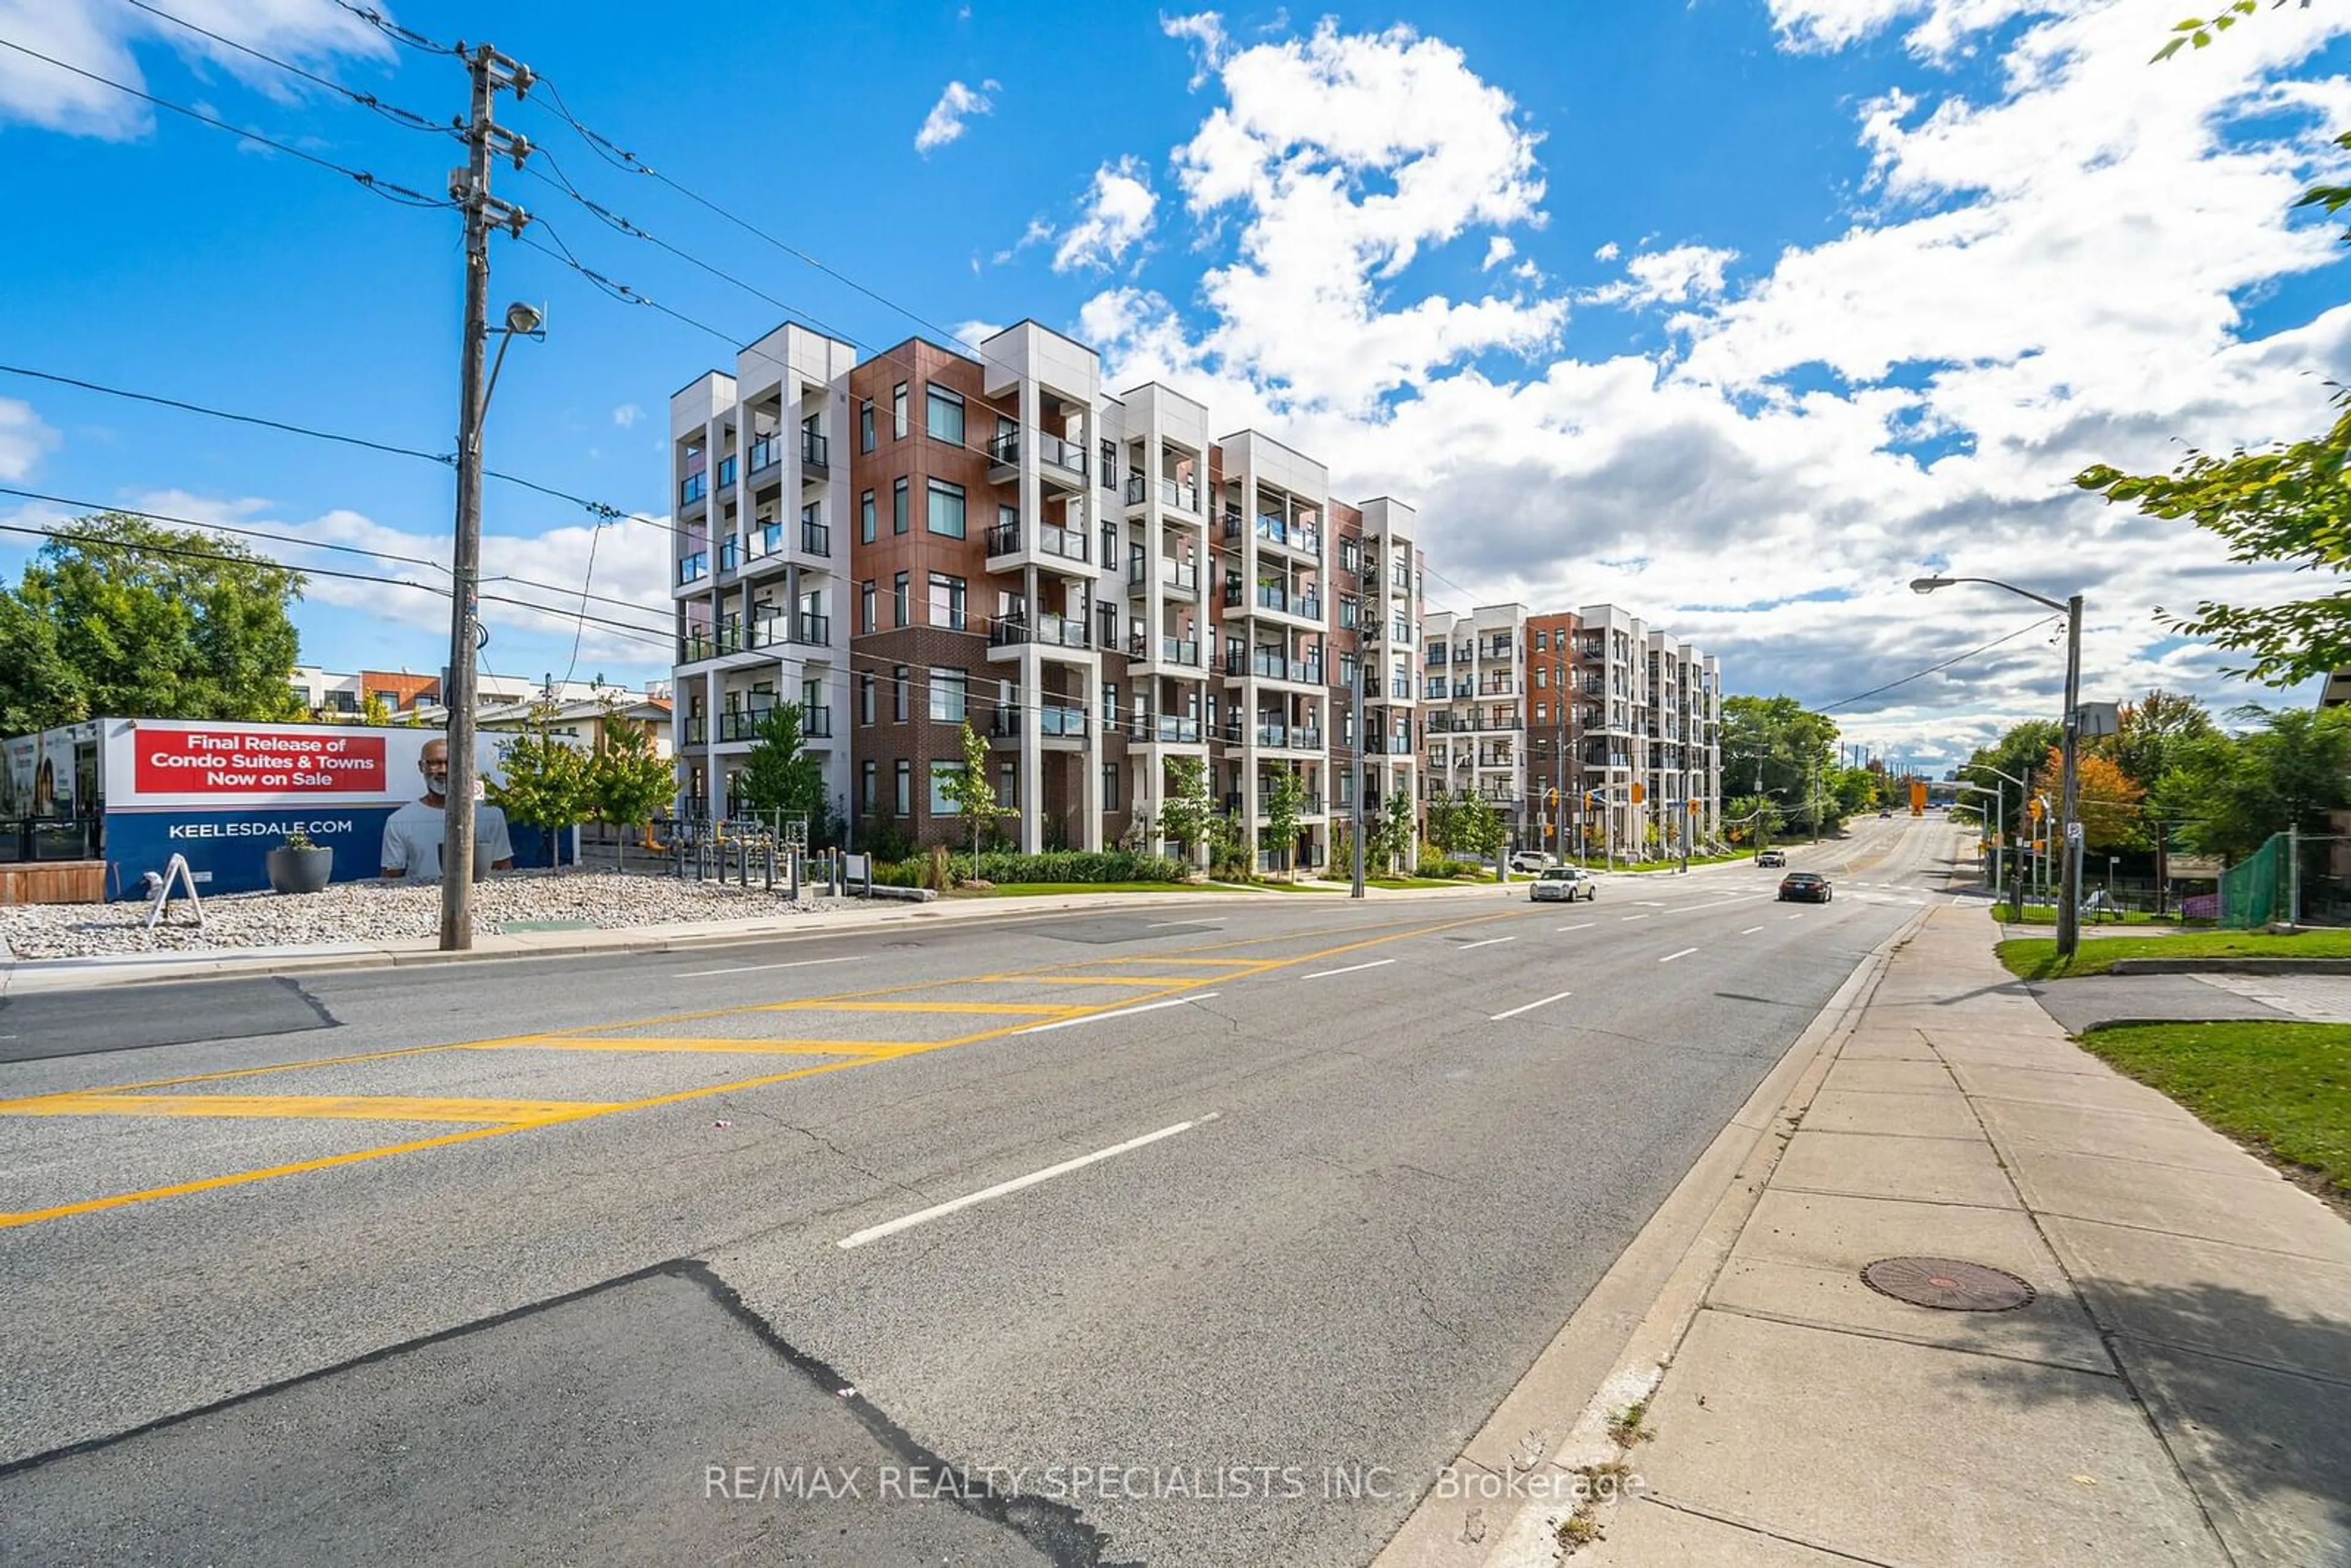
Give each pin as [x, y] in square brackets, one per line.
[2251, 890]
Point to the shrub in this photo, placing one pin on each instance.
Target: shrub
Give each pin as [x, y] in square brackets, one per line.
[883, 838]
[1070, 865]
[1439, 866]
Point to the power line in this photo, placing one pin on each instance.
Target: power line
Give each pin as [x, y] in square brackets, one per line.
[446, 460]
[1960, 658]
[393, 30]
[393, 112]
[303, 543]
[634, 633]
[389, 189]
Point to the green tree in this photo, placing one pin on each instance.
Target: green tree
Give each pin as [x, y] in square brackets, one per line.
[1479, 825]
[628, 782]
[1755, 817]
[1394, 832]
[546, 784]
[1440, 818]
[1283, 797]
[374, 710]
[2200, 31]
[124, 617]
[969, 790]
[2235, 792]
[779, 775]
[1789, 749]
[2150, 730]
[1185, 814]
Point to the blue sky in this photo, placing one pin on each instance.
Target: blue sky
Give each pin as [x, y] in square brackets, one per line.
[1732, 311]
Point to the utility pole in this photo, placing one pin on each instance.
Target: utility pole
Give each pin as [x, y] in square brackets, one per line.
[1356, 699]
[2070, 845]
[470, 189]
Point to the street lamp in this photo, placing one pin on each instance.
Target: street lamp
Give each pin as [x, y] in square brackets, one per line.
[2009, 856]
[464, 629]
[2069, 892]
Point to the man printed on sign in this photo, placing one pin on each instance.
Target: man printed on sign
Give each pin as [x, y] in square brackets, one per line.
[412, 838]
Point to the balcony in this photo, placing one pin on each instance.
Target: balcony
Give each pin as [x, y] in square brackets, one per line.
[1166, 729]
[726, 470]
[814, 454]
[1436, 657]
[730, 555]
[1400, 689]
[697, 731]
[1183, 495]
[1184, 651]
[1045, 631]
[764, 540]
[816, 538]
[695, 488]
[766, 453]
[1011, 539]
[1272, 664]
[1058, 721]
[694, 567]
[1059, 460]
[1289, 535]
[1183, 576]
[1463, 691]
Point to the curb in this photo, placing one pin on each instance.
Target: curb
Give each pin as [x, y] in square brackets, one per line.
[2231, 966]
[1612, 1351]
[32, 976]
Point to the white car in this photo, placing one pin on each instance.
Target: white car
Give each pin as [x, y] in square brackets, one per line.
[1564, 883]
[1528, 861]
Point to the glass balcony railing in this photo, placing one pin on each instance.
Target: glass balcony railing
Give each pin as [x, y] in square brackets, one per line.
[1052, 451]
[1004, 539]
[764, 540]
[727, 469]
[694, 567]
[815, 539]
[813, 450]
[1054, 720]
[730, 555]
[1070, 544]
[697, 730]
[1182, 494]
[694, 487]
[766, 453]
[816, 723]
[1050, 631]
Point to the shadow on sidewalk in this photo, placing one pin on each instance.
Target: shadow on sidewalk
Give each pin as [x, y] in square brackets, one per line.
[2232, 1379]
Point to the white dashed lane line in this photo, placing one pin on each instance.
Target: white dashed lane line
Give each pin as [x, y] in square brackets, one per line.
[1350, 969]
[1531, 1007]
[1683, 954]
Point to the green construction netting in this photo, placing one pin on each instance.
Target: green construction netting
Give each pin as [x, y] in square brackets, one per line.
[2251, 889]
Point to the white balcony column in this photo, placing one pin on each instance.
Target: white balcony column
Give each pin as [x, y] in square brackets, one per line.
[1031, 687]
[713, 776]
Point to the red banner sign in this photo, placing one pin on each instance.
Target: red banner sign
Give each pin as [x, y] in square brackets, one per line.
[230, 762]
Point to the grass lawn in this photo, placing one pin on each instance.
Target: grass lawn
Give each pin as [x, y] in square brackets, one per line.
[2034, 959]
[1272, 888]
[1392, 882]
[2285, 1087]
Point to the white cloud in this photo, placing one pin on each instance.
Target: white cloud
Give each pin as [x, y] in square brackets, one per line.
[1038, 232]
[1667, 277]
[1499, 250]
[2041, 273]
[1210, 47]
[627, 415]
[1118, 209]
[957, 103]
[23, 439]
[100, 38]
[1344, 155]
[1608, 252]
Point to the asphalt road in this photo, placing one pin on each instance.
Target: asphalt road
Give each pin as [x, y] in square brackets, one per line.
[675, 1258]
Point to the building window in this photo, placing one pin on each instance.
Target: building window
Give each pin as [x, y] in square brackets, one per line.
[949, 599]
[1110, 706]
[1542, 713]
[865, 519]
[898, 600]
[865, 703]
[898, 507]
[897, 693]
[898, 411]
[1540, 671]
[943, 414]
[865, 425]
[947, 697]
[944, 774]
[946, 510]
[1541, 644]
[866, 605]
[869, 788]
[1347, 610]
[1110, 465]
[1008, 783]
[1110, 786]
[905, 788]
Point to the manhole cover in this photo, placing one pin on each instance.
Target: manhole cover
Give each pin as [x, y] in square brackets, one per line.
[1947, 1284]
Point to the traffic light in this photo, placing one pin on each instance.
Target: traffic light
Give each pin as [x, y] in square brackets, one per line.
[1592, 800]
[1551, 797]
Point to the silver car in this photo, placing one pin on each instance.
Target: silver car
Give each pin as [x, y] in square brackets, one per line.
[1563, 883]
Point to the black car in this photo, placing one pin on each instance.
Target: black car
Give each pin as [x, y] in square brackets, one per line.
[1809, 886]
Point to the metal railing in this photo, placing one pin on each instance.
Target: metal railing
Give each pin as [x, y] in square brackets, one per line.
[1183, 497]
[814, 449]
[694, 567]
[1052, 451]
[1052, 631]
[816, 538]
[766, 453]
[693, 488]
[730, 555]
[727, 469]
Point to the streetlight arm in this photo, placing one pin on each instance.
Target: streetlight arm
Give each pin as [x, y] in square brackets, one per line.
[1929, 585]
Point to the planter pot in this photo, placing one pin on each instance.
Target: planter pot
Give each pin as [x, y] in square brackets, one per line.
[300, 871]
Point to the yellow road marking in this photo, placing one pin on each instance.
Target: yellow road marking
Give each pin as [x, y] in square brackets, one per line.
[1084, 980]
[717, 1044]
[820, 1005]
[304, 1107]
[1236, 968]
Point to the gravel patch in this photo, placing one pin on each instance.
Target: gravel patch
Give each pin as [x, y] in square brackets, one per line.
[382, 911]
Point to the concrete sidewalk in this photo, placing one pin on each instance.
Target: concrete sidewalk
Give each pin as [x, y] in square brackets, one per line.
[2178, 1389]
